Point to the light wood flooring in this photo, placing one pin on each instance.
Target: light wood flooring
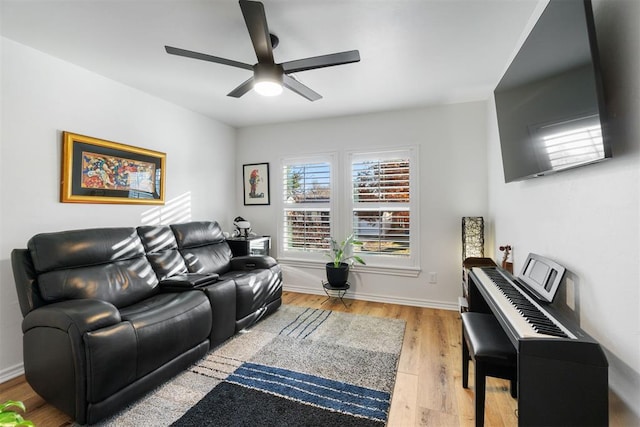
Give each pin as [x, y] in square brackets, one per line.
[428, 390]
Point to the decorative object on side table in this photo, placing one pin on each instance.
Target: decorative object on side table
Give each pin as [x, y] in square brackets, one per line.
[243, 227]
[99, 171]
[9, 417]
[505, 263]
[341, 259]
[255, 183]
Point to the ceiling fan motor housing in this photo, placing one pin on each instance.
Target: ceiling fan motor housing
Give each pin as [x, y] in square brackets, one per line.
[268, 72]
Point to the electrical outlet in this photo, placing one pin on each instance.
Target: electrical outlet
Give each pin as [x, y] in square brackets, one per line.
[433, 277]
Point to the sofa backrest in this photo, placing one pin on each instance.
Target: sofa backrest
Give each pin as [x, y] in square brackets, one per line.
[203, 247]
[162, 250]
[103, 263]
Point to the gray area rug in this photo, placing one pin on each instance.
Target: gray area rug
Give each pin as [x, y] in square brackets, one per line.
[299, 366]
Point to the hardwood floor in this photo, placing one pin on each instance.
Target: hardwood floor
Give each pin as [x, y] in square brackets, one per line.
[428, 390]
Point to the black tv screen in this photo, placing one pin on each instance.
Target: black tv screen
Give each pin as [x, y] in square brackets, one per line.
[549, 103]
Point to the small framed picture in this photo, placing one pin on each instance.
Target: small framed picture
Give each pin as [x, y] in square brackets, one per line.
[255, 182]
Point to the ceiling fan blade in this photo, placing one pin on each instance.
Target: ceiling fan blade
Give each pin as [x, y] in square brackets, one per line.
[242, 89]
[321, 61]
[302, 90]
[256, 20]
[205, 57]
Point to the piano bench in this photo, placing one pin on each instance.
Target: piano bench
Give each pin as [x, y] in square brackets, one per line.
[484, 342]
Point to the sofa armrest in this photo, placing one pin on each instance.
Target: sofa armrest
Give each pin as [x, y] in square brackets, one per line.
[85, 314]
[188, 281]
[54, 337]
[252, 262]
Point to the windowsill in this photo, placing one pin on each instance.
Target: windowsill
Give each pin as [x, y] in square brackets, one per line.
[357, 268]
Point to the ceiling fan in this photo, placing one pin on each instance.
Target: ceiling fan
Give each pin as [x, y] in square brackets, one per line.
[269, 77]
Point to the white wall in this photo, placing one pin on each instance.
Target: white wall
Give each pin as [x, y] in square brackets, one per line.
[588, 219]
[41, 97]
[452, 148]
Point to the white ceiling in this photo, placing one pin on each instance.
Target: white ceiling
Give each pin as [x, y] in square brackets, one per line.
[413, 52]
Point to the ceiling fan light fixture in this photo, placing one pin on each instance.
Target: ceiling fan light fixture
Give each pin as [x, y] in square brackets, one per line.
[267, 79]
[268, 88]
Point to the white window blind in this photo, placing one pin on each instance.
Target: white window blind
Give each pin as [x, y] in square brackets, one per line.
[382, 203]
[307, 206]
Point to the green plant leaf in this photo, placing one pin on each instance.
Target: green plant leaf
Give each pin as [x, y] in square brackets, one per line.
[10, 418]
[338, 253]
[11, 403]
[360, 260]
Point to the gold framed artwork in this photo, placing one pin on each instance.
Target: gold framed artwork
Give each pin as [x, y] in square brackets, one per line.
[255, 183]
[99, 171]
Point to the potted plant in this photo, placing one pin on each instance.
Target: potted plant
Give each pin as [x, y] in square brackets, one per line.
[12, 418]
[341, 258]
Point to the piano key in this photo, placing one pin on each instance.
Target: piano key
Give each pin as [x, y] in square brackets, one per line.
[528, 318]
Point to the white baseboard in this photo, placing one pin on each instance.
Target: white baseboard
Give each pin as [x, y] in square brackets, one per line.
[380, 298]
[11, 372]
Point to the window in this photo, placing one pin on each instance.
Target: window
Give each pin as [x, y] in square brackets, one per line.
[381, 214]
[371, 196]
[307, 216]
[382, 205]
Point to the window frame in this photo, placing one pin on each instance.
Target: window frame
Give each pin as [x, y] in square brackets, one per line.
[302, 255]
[379, 262]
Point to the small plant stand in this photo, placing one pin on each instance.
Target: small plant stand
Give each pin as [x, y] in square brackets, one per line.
[335, 292]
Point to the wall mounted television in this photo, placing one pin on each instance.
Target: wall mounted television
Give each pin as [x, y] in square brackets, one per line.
[550, 101]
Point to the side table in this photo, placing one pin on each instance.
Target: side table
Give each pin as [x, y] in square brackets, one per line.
[335, 292]
[254, 245]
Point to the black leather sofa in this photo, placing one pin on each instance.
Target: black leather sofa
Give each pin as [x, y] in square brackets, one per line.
[112, 313]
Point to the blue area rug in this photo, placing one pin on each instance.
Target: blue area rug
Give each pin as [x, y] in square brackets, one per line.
[298, 367]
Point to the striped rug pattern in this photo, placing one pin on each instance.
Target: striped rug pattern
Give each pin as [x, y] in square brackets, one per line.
[317, 391]
[306, 323]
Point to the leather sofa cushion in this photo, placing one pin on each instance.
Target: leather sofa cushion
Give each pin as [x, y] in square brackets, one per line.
[193, 234]
[157, 238]
[254, 289]
[111, 360]
[120, 283]
[105, 264]
[79, 248]
[162, 250]
[167, 264]
[203, 247]
[167, 325]
[214, 258]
